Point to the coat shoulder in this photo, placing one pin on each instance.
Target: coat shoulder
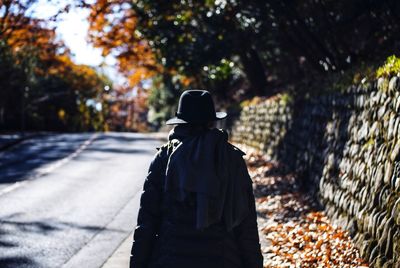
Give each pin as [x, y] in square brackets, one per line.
[236, 149]
[167, 148]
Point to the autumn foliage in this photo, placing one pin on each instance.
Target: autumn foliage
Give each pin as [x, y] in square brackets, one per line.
[117, 28]
[113, 28]
[241, 49]
[294, 231]
[41, 87]
[235, 49]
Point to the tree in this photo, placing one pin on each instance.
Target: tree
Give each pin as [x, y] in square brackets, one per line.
[187, 39]
[113, 28]
[244, 48]
[41, 88]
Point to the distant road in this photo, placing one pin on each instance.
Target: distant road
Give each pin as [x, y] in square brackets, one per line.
[69, 200]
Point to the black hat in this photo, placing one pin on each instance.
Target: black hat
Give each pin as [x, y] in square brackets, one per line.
[195, 106]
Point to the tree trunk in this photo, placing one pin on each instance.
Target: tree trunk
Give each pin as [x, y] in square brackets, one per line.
[254, 71]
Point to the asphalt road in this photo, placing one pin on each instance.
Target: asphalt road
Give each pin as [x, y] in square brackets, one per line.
[70, 200]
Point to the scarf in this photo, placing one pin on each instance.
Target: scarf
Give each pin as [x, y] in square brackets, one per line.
[204, 163]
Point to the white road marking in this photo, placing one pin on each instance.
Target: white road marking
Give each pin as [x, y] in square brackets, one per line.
[48, 168]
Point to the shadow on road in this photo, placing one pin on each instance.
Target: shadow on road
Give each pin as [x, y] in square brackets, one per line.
[12, 262]
[16, 163]
[121, 150]
[9, 242]
[46, 226]
[125, 137]
[21, 162]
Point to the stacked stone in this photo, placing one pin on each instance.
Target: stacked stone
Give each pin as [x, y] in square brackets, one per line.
[346, 149]
[366, 192]
[262, 126]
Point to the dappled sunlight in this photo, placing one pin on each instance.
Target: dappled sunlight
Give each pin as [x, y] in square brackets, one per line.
[292, 225]
[91, 89]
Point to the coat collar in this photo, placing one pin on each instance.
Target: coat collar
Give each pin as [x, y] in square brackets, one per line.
[181, 132]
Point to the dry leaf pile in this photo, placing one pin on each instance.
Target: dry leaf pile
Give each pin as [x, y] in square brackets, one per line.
[294, 231]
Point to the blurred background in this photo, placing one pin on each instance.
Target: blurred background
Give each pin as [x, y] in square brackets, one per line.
[120, 65]
[87, 85]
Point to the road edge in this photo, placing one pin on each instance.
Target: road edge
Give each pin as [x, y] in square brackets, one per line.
[120, 255]
[121, 218]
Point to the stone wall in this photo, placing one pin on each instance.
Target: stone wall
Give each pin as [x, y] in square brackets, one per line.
[345, 149]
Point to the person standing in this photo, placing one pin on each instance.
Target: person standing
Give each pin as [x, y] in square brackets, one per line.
[197, 208]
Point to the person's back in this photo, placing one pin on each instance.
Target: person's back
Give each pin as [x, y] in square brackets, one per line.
[190, 216]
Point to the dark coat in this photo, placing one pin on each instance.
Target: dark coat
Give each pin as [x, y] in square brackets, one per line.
[166, 237]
